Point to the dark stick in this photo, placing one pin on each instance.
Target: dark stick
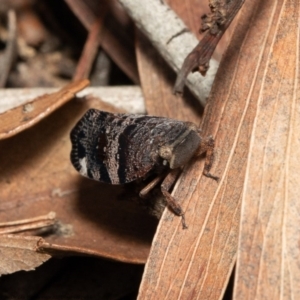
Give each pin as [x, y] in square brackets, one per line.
[215, 24]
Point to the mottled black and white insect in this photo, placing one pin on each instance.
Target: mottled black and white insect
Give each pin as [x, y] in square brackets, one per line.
[121, 148]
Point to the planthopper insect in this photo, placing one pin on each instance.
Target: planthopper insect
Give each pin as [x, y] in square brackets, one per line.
[120, 148]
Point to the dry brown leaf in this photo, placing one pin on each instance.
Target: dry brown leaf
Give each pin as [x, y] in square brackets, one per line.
[268, 257]
[163, 277]
[19, 253]
[37, 177]
[261, 101]
[197, 263]
[25, 116]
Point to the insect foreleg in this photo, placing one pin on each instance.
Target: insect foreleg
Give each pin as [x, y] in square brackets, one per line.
[207, 145]
[171, 201]
[151, 185]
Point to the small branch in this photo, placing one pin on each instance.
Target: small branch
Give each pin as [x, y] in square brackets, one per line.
[171, 38]
[89, 52]
[11, 48]
[215, 24]
[28, 224]
[115, 42]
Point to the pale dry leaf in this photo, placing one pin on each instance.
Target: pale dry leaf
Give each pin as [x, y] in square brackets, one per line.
[197, 263]
[19, 253]
[127, 98]
[25, 116]
[268, 257]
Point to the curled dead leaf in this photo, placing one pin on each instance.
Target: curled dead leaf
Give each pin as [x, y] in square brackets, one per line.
[25, 116]
[19, 253]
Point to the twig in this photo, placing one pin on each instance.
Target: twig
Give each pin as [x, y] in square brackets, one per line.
[10, 51]
[162, 26]
[28, 224]
[89, 52]
[115, 42]
[215, 25]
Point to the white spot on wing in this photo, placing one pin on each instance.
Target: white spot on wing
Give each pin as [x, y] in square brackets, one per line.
[83, 170]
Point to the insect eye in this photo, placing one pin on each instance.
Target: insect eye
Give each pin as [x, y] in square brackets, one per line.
[165, 152]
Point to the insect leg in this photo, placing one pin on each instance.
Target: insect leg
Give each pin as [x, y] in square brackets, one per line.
[151, 185]
[207, 145]
[172, 203]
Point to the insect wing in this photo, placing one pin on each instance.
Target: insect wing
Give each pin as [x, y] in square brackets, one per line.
[86, 137]
[109, 147]
[120, 148]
